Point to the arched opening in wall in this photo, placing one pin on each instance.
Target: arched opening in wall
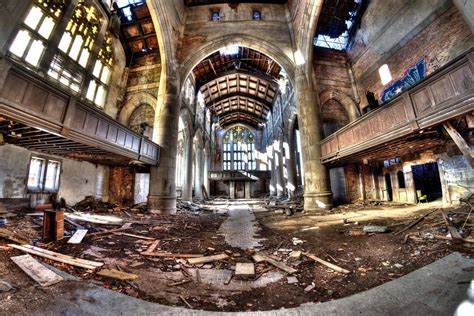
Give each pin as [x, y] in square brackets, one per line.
[334, 116]
[237, 86]
[180, 152]
[141, 120]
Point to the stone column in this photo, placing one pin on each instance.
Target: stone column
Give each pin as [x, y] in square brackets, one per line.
[291, 165]
[277, 152]
[273, 178]
[187, 194]
[162, 195]
[206, 171]
[317, 191]
[198, 173]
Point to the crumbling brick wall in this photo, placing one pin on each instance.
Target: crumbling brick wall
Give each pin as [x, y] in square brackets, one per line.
[121, 186]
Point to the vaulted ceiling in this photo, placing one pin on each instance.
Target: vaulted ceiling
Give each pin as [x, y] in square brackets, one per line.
[239, 86]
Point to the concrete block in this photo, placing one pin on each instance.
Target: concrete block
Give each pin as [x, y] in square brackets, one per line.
[244, 270]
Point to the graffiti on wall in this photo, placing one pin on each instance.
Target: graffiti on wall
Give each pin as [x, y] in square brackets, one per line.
[411, 77]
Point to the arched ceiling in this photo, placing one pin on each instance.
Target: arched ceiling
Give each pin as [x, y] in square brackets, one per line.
[239, 86]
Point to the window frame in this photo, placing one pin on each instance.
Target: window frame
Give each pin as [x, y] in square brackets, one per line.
[44, 172]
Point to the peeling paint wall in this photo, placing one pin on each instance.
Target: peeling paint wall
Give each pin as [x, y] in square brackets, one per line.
[78, 179]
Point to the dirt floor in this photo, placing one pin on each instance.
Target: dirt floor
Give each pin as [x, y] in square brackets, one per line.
[336, 236]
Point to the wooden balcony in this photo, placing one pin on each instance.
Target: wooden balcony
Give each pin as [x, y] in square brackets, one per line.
[239, 175]
[73, 125]
[445, 94]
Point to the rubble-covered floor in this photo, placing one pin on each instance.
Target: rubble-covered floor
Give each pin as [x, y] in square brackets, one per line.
[336, 236]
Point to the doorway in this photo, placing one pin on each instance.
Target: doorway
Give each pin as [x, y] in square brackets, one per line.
[239, 189]
[426, 178]
[388, 187]
[338, 185]
[142, 186]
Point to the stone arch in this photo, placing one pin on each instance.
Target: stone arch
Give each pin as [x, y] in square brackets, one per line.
[284, 59]
[132, 103]
[346, 101]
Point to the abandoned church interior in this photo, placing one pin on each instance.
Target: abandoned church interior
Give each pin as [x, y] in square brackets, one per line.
[194, 157]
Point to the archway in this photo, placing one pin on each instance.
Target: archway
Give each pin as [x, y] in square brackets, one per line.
[334, 116]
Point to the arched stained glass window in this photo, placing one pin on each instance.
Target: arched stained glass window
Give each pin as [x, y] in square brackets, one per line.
[239, 149]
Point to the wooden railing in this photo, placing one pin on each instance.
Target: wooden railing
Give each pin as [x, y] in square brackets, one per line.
[253, 175]
[27, 99]
[447, 93]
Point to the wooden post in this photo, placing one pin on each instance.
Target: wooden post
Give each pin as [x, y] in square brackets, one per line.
[460, 142]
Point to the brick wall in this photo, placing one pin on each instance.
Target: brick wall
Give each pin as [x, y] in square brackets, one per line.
[443, 39]
[331, 70]
[121, 186]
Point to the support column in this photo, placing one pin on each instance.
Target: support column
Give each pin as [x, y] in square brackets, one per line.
[187, 194]
[162, 197]
[277, 149]
[291, 165]
[273, 178]
[198, 173]
[317, 191]
[206, 171]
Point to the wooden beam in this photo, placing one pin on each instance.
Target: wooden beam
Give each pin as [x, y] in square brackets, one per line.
[460, 142]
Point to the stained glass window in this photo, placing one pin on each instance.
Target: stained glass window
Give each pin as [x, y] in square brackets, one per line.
[239, 149]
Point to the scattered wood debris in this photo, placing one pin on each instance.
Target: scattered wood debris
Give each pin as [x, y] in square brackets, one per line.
[207, 259]
[78, 236]
[244, 270]
[327, 264]
[118, 275]
[87, 264]
[261, 257]
[36, 271]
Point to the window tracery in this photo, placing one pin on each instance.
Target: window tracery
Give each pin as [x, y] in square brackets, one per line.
[239, 149]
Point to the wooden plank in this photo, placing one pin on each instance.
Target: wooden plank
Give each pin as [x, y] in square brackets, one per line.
[36, 271]
[152, 247]
[171, 255]
[415, 222]
[207, 259]
[460, 142]
[134, 236]
[111, 231]
[279, 265]
[452, 230]
[118, 275]
[77, 237]
[9, 235]
[87, 264]
[327, 264]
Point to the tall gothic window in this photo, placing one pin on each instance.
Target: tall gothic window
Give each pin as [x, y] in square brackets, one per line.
[81, 59]
[239, 149]
[31, 40]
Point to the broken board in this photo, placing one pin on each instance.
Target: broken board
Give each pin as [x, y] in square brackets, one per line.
[261, 257]
[208, 259]
[116, 274]
[36, 271]
[77, 237]
[87, 264]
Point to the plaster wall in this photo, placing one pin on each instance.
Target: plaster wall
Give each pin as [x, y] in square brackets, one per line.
[78, 179]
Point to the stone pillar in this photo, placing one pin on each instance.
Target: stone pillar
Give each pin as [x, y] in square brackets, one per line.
[466, 7]
[273, 178]
[102, 183]
[206, 171]
[198, 173]
[277, 152]
[291, 165]
[317, 191]
[162, 197]
[187, 189]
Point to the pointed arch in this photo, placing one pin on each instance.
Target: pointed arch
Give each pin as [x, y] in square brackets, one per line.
[346, 101]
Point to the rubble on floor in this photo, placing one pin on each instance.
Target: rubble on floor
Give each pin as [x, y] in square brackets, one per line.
[184, 259]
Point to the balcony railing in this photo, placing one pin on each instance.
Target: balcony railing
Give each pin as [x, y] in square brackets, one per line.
[242, 175]
[446, 94]
[27, 99]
